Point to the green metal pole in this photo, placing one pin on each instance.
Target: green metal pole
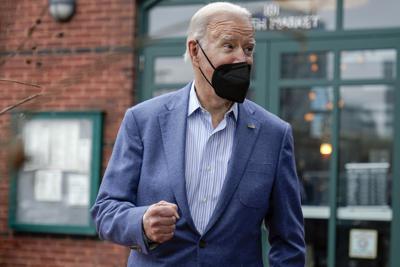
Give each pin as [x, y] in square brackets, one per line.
[339, 16]
[335, 144]
[334, 165]
[395, 231]
[333, 186]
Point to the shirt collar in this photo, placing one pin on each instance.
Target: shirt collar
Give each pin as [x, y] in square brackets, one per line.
[194, 104]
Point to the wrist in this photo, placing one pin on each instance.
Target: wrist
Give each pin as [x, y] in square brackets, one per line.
[150, 244]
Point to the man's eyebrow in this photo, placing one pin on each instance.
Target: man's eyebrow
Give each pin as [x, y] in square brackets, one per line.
[227, 37]
[252, 41]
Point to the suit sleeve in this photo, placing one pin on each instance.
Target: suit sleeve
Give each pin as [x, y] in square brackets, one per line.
[285, 219]
[116, 216]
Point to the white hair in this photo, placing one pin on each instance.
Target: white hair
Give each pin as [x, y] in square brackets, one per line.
[200, 20]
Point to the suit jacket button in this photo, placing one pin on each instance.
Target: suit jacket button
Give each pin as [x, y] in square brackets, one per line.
[202, 243]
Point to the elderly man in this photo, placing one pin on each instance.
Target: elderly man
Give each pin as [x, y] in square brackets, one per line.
[195, 173]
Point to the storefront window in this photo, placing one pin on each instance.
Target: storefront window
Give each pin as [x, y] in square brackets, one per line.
[170, 21]
[172, 70]
[364, 193]
[368, 14]
[366, 138]
[310, 65]
[368, 64]
[308, 110]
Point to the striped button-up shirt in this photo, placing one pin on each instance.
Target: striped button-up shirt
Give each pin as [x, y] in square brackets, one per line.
[208, 151]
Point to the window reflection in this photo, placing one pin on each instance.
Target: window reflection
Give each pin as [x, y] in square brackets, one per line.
[172, 70]
[366, 138]
[309, 65]
[364, 14]
[308, 110]
[170, 21]
[368, 64]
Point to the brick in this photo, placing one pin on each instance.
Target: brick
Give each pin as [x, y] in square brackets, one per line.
[72, 63]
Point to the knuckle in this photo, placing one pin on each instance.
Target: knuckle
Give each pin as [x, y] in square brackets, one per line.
[151, 208]
[154, 222]
[152, 232]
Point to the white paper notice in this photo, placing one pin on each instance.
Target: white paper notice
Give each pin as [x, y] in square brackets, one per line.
[78, 190]
[37, 143]
[64, 145]
[48, 185]
[363, 243]
[84, 154]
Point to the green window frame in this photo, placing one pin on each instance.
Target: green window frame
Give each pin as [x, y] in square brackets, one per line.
[89, 124]
[342, 43]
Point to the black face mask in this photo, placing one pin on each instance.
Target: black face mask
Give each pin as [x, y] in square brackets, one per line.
[230, 81]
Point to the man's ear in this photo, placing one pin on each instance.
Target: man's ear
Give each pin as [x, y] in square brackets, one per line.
[193, 49]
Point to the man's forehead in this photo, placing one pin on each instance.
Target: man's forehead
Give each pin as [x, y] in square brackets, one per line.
[230, 29]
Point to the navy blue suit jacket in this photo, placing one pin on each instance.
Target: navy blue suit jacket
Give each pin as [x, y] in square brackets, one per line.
[148, 165]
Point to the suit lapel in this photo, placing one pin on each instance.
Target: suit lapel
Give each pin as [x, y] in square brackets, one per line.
[247, 130]
[173, 131]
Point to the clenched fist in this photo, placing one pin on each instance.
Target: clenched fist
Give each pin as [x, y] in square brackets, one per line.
[159, 221]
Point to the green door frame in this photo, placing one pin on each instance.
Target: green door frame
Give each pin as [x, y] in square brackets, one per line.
[335, 46]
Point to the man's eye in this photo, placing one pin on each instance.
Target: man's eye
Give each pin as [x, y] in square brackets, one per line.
[249, 50]
[228, 46]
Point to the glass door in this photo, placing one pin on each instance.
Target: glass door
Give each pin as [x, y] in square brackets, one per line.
[163, 69]
[339, 97]
[366, 138]
[304, 97]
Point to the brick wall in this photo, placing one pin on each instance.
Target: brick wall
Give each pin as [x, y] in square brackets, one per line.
[84, 64]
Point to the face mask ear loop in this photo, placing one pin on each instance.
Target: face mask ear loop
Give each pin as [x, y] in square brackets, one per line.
[209, 61]
[202, 73]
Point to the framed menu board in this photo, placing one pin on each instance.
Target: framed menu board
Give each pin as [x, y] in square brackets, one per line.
[57, 184]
